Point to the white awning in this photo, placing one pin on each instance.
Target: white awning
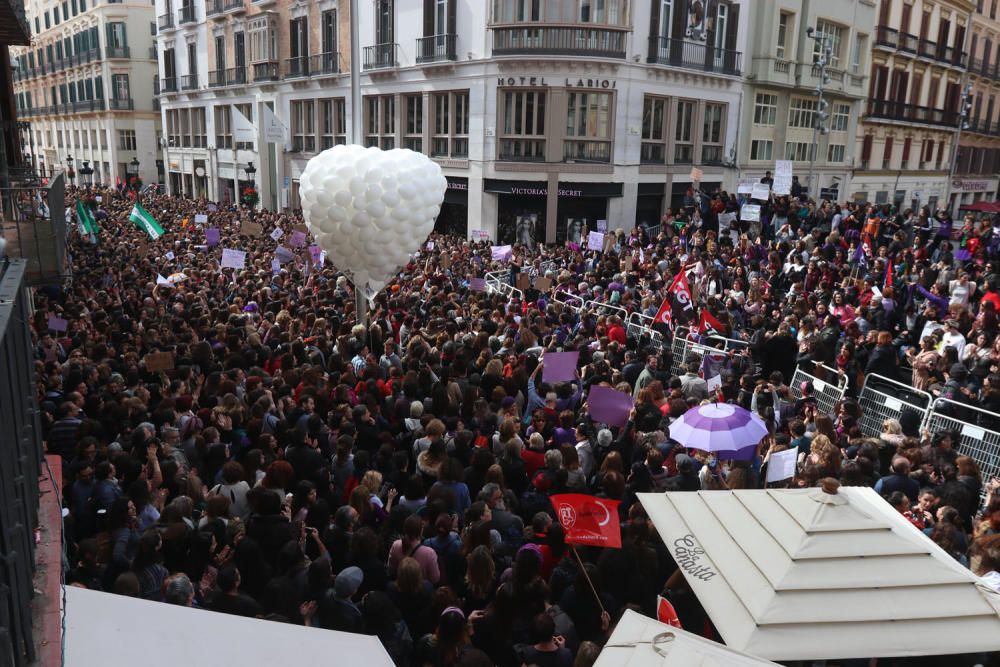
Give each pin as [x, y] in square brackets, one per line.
[798, 574]
[639, 641]
[117, 631]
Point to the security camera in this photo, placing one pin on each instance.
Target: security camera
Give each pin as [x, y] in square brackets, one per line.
[809, 31]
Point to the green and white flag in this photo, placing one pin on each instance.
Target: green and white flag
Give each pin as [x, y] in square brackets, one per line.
[144, 221]
[84, 218]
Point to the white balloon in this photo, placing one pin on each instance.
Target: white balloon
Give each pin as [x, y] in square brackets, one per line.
[376, 210]
[390, 197]
[358, 186]
[407, 191]
[342, 198]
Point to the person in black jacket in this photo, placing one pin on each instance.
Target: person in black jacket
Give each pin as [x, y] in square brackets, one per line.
[883, 360]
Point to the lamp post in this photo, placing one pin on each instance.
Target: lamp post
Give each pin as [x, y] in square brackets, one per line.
[819, 123]
[134, 164]
[250, 172]
[86, 174]
[69, 169]
[963, 124]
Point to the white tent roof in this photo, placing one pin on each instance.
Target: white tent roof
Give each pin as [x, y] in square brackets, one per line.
[639, 641]
[117, 631]
[797, 574]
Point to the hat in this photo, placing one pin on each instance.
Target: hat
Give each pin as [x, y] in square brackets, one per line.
[604, 437]
[684, 463]
[507, 401]
[348, 581]
[116, 378]
[958, 371]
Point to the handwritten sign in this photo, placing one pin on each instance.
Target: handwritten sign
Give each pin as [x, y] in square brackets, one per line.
[251, 229]
[781, 465]
[745, 185]
[233, 259]
[200, 219]
[750, 212]
[159, 361]
[696, 175]
[283, 254]
[298, 239]
[595, 241]
[277, 233]
[760, 191]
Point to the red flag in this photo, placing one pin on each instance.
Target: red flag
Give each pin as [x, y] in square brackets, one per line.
[888, 275]
[665, 612]
[682, 290]
[709, 325]
[589, 520]
[664, 315]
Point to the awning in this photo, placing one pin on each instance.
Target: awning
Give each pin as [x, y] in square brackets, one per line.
[639, 641]
[118, 631]
[806, 574]
[981, 207]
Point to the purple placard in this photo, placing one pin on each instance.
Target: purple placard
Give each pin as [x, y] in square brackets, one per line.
[501, 252]
[477, 285]
[57, 324]
[212, 236]
[298, 240]
[559, 366]
[607, 406]
[316, 253]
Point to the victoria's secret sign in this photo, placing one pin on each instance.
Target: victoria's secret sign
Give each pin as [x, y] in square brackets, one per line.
[539, 82]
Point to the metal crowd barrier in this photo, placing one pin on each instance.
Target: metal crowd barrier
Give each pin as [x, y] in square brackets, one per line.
[882, 398]
[638, 325]
[682, 347]
[978, 430]
[597, 306]
[828, 390]
[565, 299]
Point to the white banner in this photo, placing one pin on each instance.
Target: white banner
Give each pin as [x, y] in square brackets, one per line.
[782, 169]
[243, 129]
[274, 131]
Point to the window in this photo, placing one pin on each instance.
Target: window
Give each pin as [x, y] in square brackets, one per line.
[711, 135]
[721, 19]
[47, 26]
[263, 40]
[523, 125]
[509, 11]
[298, 39]
[303, 114]
[684, 132]
[199, 129]
[451, 125]
[765, 109]
[800, 151]
[666, 26]
[220, 57]
[836, 153]
[116, 36]
[588, 127]
[328, 29]
[414, 136]
[834, 36]
[384, 23]
[653, 137]
[782, 40]
[802, 112]
[55, 15]
[882, 197]
[905, 160]
[887, 153]
[120, 87]
[380, 121]
[761, 149]
[332, 123]
[860, 47]
[126, 140]
[841, 117]
[223, 126]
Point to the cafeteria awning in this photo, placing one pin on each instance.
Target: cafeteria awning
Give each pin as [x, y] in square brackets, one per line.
[801, 574]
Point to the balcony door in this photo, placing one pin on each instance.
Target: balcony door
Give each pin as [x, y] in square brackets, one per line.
[384, 24]
[439, 29]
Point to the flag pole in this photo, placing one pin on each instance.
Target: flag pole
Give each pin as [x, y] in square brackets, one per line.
[360, 299]
[584, 570]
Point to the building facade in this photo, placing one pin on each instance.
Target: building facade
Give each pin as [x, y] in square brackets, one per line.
[781, 109]
[975, 176]
[911, 120]
[544, 114]
[86, 88]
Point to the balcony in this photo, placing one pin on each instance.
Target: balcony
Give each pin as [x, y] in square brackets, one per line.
[188, 14]
[117, 52]
[979, 67]
[559, 41]
[217, 78]
[437, 48]
[587, 151]
[898, 111]
[380, 56]
[940, 53]
[165, 21]
[522, 150]
[214, 7]
[169, 84]
[318, 65]
[236, 76]
[679, 53]
[265, 71]
[235, 6]
[121, 104]
[893, 40]
[87, 105]
[189, 82]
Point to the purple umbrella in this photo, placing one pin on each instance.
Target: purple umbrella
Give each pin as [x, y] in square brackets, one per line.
[729, 430]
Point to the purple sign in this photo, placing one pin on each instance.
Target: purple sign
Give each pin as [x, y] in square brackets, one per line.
[57, 324]
[501, 252]
[607, 406]
[559, 366]
[212, 236]
[477, 285]
[316, 253]
[298, 240]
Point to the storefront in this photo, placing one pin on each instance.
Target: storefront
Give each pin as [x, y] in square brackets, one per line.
[649, 205]
[966, 191]
[524, 207]
[454, 215]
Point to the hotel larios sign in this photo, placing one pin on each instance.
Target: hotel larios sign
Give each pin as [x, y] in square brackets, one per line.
[540, 82]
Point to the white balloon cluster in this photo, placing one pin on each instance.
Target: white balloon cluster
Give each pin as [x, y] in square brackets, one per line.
[371, 209]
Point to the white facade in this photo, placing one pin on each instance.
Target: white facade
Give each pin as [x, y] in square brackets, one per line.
[594, 130]
[86, 87]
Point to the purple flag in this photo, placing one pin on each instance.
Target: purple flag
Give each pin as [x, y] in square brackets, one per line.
[501, 252]
[607, 406]
[212, 236]
[560, 366]
[57, 324]
[477, 285]
[298, 240]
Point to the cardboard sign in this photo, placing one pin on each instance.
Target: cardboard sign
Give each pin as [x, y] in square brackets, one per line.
[750, 212]
[301, 228]
[628, 263]
[57, 324]
[159, 361]
[298, 239]
[761, 191]
[696, 175]
[200, 219]
[523, 281]
[277, 233]
[445, 261]
[543, 284]
[283, 254]
[251, 229]
[560, 366]
[233, 259]
[212, 236]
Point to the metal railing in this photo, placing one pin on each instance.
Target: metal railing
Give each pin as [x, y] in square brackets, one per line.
[381, 56]
[117, 52]
[168, 84]
[690, 55]
[88, 105]
[882, 398]
[828, 386]
[978, 432]
[266, 71]
[900, 111]
[567, 300]
[437, 48]
[20, 464]
[683, 347]
[214, 7]
[165, 21]
[235, 6]
[559, 41]
[121, 104]
[317, 65]
[188, 14]
[236, 76]
[189, 82]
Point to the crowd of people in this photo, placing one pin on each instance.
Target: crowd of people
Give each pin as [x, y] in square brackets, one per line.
[277, 458]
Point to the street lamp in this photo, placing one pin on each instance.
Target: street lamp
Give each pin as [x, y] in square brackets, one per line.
[250, 170]
[69, 169]
[819, 123]
[87, 173]
[963, 124]
[135, 173]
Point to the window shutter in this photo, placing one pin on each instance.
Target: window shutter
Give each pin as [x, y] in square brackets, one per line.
[866, 148]
[654, 28]
[732, 26]
[452, 17]
[906, 150]
[428, 18]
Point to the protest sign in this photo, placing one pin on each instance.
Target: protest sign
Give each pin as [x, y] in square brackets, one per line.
[212, 236]
[233, 259]
[57, 324]
[595, 241]
[543, 284]
[200, 219]
[298, 239]
[251, 229]
[750, 212]
[523, 281]
[696, 175]
[277, 233]
[501, 252]
[761, 191]
[608, 406]
[283, 254]
[159, 361]
[781, 465]
[745, 185]
[560, 366]
[477, 285]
